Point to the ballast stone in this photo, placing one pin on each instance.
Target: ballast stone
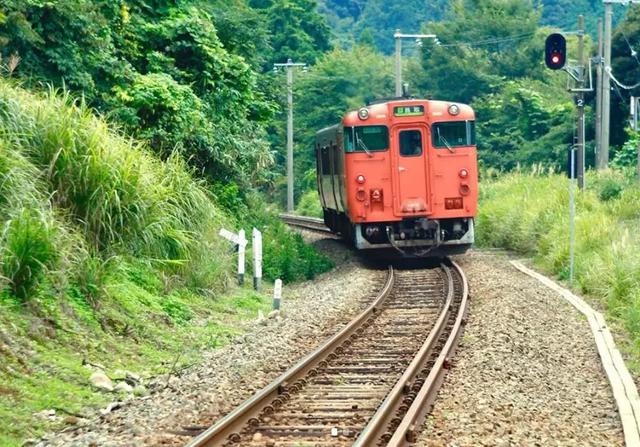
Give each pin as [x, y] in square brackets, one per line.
[100, 380]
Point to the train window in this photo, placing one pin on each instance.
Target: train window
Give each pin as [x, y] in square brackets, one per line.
[410, 143]
[453, 133]
[366, 138]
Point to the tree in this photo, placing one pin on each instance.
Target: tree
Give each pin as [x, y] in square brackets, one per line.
[523, 123]
[297, 30]
[625, 66]
[342, 80]
[158, 67]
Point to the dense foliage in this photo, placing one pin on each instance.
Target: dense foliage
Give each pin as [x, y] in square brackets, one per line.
[375, 21]
[183, 76]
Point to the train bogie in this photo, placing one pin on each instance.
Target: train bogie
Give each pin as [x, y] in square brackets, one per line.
[401, 174]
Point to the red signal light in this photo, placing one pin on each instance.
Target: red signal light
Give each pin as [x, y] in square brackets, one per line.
[555, 51]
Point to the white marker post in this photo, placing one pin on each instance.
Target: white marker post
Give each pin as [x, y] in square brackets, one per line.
[241, 256]
[257, 258]
[277, 294]
[240, 240]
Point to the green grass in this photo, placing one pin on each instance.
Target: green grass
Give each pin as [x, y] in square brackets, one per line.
[528, 213]
[110, 255]
[165, 329]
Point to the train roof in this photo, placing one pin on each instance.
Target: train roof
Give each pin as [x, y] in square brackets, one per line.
[383, 111]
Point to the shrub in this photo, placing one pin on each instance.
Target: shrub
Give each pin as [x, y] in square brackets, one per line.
[309, 204]
[28, 250]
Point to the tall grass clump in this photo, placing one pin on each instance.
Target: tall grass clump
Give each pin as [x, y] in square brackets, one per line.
[28, 249]
[117, 192]
[65, 164]
[528, 213]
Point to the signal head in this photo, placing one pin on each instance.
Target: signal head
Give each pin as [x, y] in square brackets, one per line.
[555, 51]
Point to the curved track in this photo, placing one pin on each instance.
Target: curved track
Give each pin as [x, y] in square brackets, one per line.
[370, 384]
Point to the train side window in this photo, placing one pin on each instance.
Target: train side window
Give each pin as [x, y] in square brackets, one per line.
[410, 143]
[453, 133]
[366, 138]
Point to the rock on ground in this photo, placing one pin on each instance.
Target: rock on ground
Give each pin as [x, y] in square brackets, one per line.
[527, 371]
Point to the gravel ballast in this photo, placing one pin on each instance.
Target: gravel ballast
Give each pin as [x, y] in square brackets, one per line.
[527, 371]
[311, 312]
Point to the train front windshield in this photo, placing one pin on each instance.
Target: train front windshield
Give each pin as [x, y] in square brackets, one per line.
[366, 138]
[454, 133]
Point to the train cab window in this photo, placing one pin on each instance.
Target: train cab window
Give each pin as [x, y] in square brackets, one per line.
[453, 133]
[410, 143]
[366, 138]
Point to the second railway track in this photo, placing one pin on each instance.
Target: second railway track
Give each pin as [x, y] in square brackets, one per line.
[305, 222]
[370, 384]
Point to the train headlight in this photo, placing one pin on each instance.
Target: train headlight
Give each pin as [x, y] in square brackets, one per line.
[360, 179]
[454, 109]
[363, 113]
[463, 173]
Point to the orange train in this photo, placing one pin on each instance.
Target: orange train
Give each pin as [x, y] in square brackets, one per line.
[401, 173]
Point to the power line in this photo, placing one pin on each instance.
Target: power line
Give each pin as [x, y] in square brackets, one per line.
[490, 41]
[620, 84]
[633, 52]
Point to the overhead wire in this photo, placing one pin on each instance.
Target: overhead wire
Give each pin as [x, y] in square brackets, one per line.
[633, 52]
[618, 83]
[491, 41]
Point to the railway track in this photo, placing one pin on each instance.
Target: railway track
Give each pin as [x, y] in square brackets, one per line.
[370, 384]
[307, 223]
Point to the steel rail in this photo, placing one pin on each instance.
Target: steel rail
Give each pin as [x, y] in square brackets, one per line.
[377, 426]
[308, 223]
[227, 428]
[407, 430]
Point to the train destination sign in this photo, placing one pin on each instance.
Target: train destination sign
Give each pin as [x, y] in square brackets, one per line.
[408, 110]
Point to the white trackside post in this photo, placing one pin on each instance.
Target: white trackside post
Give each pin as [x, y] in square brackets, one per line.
[277, 294]
[257, 258]
[242, 245]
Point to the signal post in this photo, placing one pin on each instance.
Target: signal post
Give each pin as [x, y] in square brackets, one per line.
[580, 102]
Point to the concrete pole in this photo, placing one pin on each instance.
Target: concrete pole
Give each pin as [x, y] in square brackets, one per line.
[580, 102]
[606, 87]
[398, 63]
[289, 136]
[599, 84]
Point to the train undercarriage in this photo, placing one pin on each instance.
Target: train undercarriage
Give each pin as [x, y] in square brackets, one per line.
[411, 237]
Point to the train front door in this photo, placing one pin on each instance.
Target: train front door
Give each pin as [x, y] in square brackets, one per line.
[410, 170]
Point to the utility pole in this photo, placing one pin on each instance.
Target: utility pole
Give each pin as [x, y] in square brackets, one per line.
[398, 37]
[599, 85]
[580, 102]
[289, 65]
[603, 155]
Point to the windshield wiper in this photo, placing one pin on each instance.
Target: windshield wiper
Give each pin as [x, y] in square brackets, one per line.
[360, 143]
[441, 138]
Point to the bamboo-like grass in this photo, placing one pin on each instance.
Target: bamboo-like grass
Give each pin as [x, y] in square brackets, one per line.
[61, 166]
